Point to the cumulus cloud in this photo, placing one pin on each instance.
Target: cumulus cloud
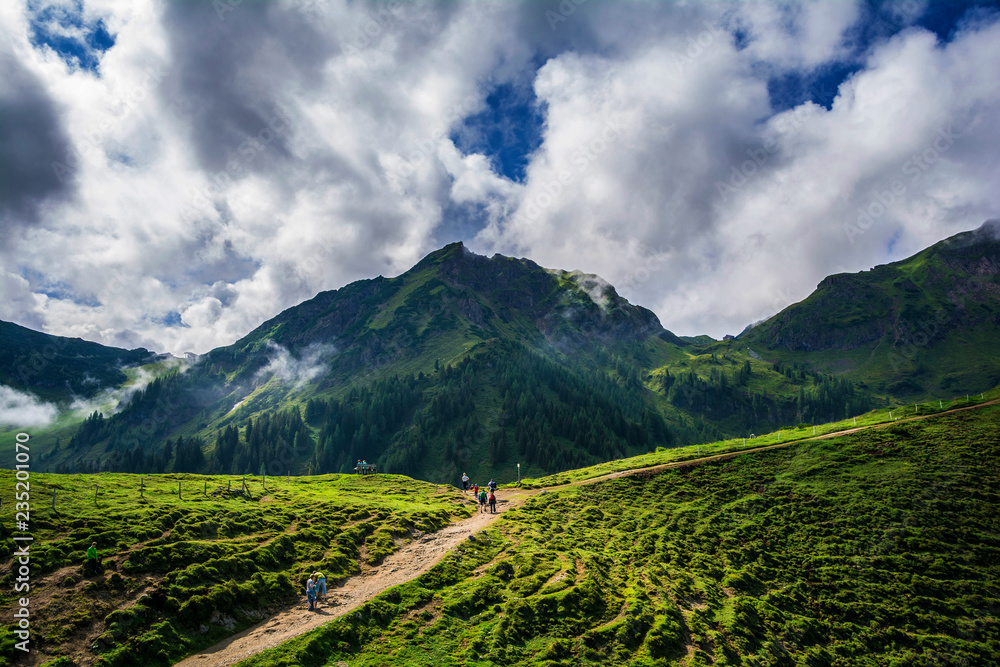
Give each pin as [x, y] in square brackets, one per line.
[22, 410]
[675, 162]
[225, 161]
[31, 139]
[312, 361]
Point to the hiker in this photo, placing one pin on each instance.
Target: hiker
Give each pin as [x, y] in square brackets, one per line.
[311, 593]
[475, 490]
[320, 586]
[493, 486]
[482, 501]
[465, 482]
[93, 562]
[493, 502]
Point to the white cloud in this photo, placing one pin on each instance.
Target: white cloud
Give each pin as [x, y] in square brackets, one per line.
[738, 217]
[24, 410]
[230, 168]
[312, 361]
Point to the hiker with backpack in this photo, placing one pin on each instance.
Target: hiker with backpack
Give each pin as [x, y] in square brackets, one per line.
[493, 502]
[320, 586]
[311, 593]
[93, 564]
[482, 501]
[493, 486]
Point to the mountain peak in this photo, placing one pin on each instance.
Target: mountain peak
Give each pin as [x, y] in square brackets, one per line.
[450, 253]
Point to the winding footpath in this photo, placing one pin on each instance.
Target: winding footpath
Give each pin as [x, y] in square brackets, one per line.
[409, 562]
[425, 550]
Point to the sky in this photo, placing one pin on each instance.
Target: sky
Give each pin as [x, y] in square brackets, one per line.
[172, 174]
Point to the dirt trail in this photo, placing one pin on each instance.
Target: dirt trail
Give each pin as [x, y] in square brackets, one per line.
[407, 563]
[425, 551]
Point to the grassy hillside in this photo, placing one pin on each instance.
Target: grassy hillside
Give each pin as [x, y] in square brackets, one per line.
[878, 548]
[922, 326]
[183, 572]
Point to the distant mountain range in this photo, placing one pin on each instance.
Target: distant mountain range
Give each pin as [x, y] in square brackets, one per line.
[472, 364]
[56, 368]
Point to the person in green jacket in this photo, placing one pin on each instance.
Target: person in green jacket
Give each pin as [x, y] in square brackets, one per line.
[93, 563]
[482, 500]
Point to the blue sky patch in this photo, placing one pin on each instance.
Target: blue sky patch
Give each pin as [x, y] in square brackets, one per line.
[790, 89]
[171, 319]
[507, 131]
[944, 17]
[879, 22]
[63, 29]
[64, 292]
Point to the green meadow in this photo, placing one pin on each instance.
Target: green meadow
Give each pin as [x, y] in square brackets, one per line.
[194, 559]
[783, 436]
[876, 548]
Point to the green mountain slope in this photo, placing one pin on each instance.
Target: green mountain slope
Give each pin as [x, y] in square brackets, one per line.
[462, 362]
[923, 326]
[56, 368]
[877, 548]
[473, 364]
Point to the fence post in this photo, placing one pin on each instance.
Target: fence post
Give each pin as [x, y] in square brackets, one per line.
[53, 499]
[95, 494]
[140, 487]
[205, 490]
[178, 488]
[244, 483]
[263, 480]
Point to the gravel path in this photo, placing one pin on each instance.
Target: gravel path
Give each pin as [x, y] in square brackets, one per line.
[407, 563]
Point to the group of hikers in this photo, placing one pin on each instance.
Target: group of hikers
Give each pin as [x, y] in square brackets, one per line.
[481, 494]
[316, 590]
